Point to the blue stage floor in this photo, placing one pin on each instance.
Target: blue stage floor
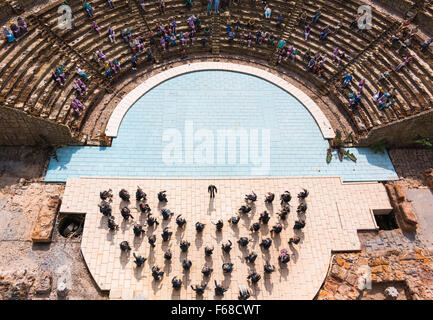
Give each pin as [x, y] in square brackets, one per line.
[179, 129]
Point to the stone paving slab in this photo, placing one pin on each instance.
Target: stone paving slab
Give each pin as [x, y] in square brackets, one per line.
[335, 212]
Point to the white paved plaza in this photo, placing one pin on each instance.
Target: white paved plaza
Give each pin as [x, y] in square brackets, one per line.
[335, 212]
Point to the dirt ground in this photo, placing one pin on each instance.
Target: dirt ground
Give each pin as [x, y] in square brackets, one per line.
[22, 263]
[377, 291]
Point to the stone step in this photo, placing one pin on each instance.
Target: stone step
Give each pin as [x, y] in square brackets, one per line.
[16, 7]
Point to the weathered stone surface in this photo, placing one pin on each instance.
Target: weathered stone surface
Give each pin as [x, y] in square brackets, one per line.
[377, 269]
[338, 272]
[64, 281]
[398, 275]
[340, 261]
[352, 279]
[391, 292]
[399, 193]
[43, 228]
[391, 194]
[407, 256]
[377, 261]
[404, 213]
[15, 285]
[428, 176]
[18, 128]
[323, 295]
[332, 285]
[44, 283]
[344, 289]
[411, 271]
[407, 214]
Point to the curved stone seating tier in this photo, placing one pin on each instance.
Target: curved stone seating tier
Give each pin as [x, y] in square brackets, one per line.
[81, 22]
[429, 8]
[12, 56]
[176, 11]
[349, 40]
[408, 80]
[352, 47]
[26, 81]
[413, 92]
[86, 40]
[371, 72]
[173, 8]
[243, 13]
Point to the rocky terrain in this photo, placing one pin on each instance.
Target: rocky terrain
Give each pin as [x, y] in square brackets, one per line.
[27, 270]
[38, 271]
[410, 272]
[395, 259]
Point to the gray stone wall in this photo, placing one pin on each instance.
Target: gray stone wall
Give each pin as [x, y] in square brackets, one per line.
[403, 132]
[17, 129]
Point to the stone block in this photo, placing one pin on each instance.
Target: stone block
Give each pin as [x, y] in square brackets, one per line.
[332, 285]
[352, 279]
[377, 269]
[338, 272]
[407, 216]
[43, 283]
[399, 193]
[64, 281]
[392, 195]
[340, 261]
[377, 262]
[43, 228]
[391, 293]
[344, 290]
[399, 275]
[408, 256]
[323, 295]
[15, 285]
[428, 176]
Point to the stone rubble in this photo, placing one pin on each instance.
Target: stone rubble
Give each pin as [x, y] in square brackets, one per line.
[43, 227]
[15, 285]
[411, 268]
[64, 281]
[428, 176]
[44, 283]
[391, 292]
